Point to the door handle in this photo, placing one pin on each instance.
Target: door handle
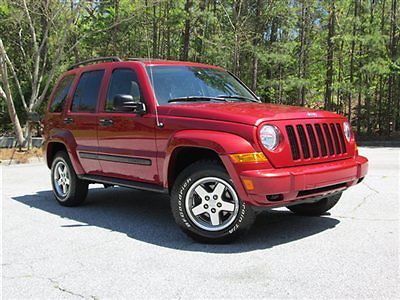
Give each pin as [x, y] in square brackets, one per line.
[106, 122]
[68, 120]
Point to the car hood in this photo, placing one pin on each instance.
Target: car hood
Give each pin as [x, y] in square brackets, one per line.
[243, 112]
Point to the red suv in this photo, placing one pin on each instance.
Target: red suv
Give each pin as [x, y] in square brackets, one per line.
[197, 133]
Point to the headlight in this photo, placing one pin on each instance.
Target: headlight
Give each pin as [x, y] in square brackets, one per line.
[269, 136]
[347, 130]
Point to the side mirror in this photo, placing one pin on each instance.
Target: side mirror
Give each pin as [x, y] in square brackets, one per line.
[127, 103]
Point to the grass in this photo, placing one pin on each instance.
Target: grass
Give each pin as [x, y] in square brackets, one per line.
[20, 157]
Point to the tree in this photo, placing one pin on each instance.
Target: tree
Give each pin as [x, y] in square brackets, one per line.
[329, 56]
[39, 57]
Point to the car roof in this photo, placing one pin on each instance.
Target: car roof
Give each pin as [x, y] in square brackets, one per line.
[147, 62]
[177, 63]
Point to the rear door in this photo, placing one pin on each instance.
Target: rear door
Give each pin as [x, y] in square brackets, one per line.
[81, 118]
[127, 148]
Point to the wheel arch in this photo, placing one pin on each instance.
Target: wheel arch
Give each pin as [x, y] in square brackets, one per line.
[63, 141]
[188, 146]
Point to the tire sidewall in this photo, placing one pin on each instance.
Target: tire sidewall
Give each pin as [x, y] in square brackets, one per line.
[61, 157]
[178, 195]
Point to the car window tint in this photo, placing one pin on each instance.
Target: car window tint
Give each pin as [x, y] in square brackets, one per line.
[121, 83]
[61, 94]
[87, 92]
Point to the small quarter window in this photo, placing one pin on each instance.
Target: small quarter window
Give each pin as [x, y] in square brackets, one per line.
[61, 94]
[122, 82]
[87, 92]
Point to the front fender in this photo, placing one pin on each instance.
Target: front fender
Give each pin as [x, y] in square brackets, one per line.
[66, 138]
[222, 143]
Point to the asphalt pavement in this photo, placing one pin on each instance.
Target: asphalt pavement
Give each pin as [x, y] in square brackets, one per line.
[124, 244]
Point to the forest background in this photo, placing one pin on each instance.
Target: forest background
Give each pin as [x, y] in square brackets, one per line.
[339, 55]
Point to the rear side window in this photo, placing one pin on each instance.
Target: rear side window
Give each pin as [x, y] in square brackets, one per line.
[61, 94]
[87, 92]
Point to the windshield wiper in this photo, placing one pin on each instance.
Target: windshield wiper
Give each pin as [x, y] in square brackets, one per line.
[196, 98]
[238, 97]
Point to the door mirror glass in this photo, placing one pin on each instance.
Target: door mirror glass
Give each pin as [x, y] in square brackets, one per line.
[127, 103]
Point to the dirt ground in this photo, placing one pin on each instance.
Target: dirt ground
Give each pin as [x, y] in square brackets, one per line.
[20, 157]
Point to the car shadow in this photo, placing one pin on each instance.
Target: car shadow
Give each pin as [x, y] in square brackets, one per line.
[146, 216]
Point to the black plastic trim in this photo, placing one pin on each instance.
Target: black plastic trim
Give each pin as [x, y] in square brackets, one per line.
[125, 183]
[116, 158]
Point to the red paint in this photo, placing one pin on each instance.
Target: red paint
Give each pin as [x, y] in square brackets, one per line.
[224, 128]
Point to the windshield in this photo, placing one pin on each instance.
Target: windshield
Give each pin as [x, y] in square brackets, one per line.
[177, 83]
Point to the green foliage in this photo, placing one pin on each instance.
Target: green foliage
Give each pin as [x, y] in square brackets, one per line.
[287, 39]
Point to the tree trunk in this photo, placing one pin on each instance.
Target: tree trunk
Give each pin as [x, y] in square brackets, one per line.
[186, 33]
[5, 93]
[155, 54]
[393, 77]
[353, 45]
[168, 32]
[359, 89]
[329, 57]
[380, 96]
[340, 109]
[115, 30]
[256, 41]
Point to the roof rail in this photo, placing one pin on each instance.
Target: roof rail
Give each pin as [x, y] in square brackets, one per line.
[92, 60]
[137, 58]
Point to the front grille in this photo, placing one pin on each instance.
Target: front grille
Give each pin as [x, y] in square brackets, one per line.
[320, 140]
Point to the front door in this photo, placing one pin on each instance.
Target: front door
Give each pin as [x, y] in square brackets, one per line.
[127, 147]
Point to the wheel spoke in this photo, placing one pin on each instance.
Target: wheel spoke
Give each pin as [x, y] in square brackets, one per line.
[64, 188]
[219, 189]
[198, 210]
[67, 181]
[59, 181]
[227, 206]
[201, 191]
[214, 217]
[59, 171]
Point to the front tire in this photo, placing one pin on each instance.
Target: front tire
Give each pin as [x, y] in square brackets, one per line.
[206, 206]
[68, 189]
[317, 208]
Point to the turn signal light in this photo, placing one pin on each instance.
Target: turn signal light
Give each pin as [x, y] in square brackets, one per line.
[248, 184]
[249, 157]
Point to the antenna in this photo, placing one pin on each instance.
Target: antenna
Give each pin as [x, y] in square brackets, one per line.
[159, 124]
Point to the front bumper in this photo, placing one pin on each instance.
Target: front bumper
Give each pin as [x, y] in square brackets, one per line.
[285, 186]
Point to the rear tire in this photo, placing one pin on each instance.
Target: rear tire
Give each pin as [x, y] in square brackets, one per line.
[317, 208]
[206, 206]
[68, 189]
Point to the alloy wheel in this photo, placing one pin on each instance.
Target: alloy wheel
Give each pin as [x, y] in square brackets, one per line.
[212, 204]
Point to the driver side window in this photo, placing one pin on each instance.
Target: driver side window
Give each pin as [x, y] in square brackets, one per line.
[122, 82]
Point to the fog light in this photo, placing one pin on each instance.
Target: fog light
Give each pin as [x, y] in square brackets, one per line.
[276, 197]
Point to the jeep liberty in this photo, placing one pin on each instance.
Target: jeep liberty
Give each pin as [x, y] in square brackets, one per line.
[197, 133]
